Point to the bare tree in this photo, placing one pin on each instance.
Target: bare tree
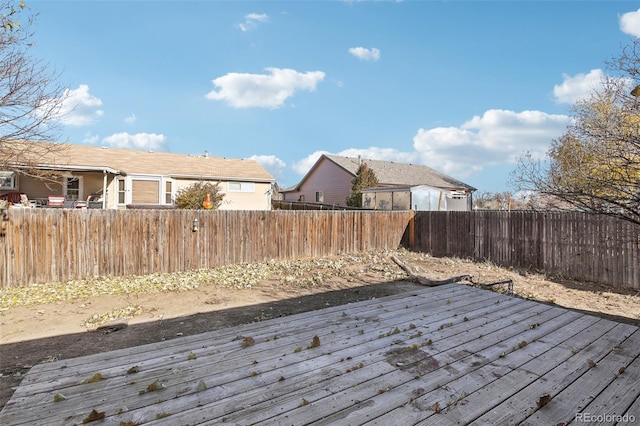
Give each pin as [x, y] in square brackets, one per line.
[595, 165]
[30, 100]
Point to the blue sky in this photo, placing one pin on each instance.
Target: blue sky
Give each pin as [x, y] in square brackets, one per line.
[464, 87]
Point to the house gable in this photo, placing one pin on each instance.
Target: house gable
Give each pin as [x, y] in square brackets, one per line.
[325, 178]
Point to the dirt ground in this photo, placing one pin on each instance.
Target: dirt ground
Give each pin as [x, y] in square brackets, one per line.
[34, 329]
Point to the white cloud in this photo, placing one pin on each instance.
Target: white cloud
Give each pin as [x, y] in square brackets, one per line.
[384, 154]
[373, 153]
[273, 164]
[262, 17]
[90, 138]
[577, 86]
[365, 54]
[497, 137]
[630, 23]
[243, 90]
[251, 21]
[79, 107]
[303, 166]
[144, 141]
[130, 119]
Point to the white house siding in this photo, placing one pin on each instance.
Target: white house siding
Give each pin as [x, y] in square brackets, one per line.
[259, 199]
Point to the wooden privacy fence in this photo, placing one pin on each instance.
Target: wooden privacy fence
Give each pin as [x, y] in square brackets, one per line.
[47, 245]
[569, 244]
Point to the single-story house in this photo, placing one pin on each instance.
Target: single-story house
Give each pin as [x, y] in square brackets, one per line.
[117, 177]
[400, 186]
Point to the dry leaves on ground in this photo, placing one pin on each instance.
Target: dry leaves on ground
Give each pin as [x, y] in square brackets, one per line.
[354, 269]
[298, 273]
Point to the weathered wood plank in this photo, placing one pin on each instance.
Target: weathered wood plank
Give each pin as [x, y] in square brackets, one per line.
[373, 370]
[632, 414]
[519, 406]
[561, 364]
[400, 386]
[496, 362]
[386, 361]
[231, 352]
[457, 295]
[617, 398]
[571, 397]
[498, 344]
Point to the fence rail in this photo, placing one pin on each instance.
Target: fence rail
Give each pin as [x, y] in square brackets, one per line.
[46, 245]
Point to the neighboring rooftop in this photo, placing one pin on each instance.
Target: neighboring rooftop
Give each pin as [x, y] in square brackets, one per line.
[129, 161]
[400, 174]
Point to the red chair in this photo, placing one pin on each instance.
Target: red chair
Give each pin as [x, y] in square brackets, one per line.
[55, 201]
[12, 197]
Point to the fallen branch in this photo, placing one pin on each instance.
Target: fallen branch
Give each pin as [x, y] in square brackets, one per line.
[426, 281]
[433, 283]
[508, 281]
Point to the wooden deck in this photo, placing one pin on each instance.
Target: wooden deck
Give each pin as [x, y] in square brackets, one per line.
[447, 355]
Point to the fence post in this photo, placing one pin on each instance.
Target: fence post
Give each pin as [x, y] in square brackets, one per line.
[412, 229]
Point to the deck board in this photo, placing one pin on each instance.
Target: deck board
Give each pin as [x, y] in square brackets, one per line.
[445, 355]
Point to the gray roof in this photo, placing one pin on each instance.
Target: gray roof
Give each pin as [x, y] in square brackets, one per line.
[401, 174]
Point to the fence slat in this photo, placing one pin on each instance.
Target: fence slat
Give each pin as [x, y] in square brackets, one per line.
[46, 245]
[572, 245]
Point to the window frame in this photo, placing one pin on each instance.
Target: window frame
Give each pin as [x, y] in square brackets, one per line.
[121, 192]
[168, 192]
[80, 188]
[247, 187]
[11, 177]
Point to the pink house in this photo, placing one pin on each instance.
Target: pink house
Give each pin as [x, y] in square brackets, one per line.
[401, 186]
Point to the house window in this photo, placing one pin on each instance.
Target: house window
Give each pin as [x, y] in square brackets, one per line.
[168, 199]
[319, 197]
[73, 189]
[240, 187]
[121, 191]
[7, 180]
[146, 191]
